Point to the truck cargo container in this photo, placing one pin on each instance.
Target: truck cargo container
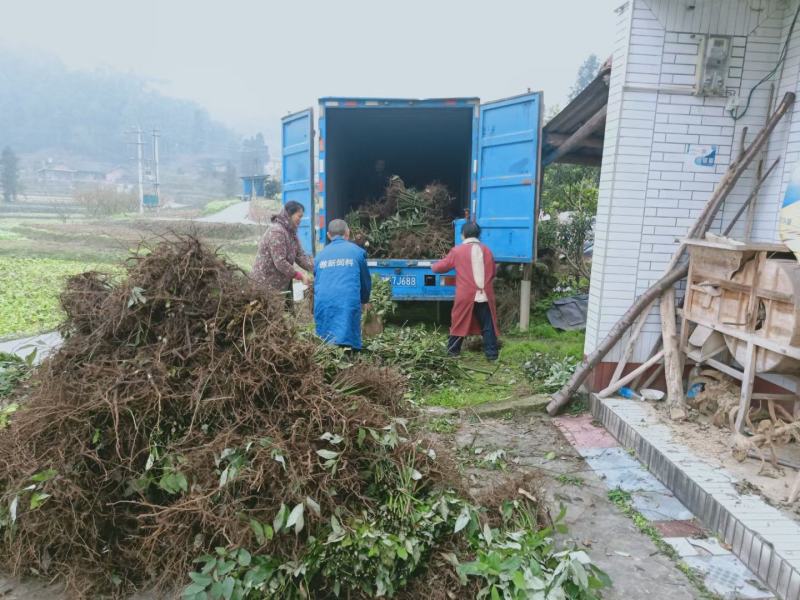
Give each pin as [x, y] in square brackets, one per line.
[488, 156]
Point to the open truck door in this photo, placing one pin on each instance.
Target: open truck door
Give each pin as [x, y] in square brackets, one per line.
[509, 147]
[297, 169]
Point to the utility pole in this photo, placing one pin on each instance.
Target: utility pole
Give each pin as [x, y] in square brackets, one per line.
[139, 144]
[157, 184]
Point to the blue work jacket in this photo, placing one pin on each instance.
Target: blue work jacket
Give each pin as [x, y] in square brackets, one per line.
[341, 285]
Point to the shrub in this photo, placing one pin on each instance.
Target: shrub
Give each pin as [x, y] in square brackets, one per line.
[99, 201]
[567, 237]
[549, 372]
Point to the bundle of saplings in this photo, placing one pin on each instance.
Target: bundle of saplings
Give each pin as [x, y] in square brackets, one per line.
[405, 222]
[187, 439]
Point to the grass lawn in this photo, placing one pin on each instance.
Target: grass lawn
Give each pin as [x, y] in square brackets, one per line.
[507, 378]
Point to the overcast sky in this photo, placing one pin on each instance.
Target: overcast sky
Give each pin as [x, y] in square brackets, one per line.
[251, 61]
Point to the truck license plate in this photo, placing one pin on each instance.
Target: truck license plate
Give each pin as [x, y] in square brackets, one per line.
[404, 281]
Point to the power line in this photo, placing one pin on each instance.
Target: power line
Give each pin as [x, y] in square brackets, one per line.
[768, 76]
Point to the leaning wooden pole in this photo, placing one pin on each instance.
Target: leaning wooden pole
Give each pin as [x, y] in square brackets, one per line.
[561, 397]
[631, 376]
[701, 226]
[738, 167]
[751, 198]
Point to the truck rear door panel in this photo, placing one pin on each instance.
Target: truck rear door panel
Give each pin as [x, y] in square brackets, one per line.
[297, 169]
[508, 176]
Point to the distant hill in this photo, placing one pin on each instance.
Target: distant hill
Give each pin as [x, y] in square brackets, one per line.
[45, 106]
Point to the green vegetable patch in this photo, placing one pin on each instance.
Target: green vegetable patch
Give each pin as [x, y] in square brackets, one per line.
[30, 290]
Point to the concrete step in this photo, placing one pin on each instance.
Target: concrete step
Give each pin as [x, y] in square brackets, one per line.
[764, 539]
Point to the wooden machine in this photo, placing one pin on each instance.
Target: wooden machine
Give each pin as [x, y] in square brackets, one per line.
[741, 316]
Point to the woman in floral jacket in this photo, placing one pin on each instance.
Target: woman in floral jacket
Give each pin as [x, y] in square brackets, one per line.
[279, 250]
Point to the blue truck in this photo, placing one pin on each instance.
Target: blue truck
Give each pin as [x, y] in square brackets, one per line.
[488, 156]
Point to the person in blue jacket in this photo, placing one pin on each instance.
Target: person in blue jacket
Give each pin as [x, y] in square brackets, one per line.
[342, 286]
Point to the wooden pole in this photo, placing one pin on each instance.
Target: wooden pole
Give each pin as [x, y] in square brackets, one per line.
[652, 377]
[631, 376]
[748, 379]
[748, 225]
[701, 226]
[628, 351]
[657, 345]
[749, 201]
[738, 167]
[561, 397]
[672, 358]
[742, 140]
[525, 298]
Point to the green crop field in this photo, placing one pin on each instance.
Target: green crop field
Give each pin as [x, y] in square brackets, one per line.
[37, 256]
[30, 290]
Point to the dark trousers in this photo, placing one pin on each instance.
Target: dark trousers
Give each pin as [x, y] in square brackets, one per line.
[483, 314]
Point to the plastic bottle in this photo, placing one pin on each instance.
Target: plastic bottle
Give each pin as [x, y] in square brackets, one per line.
[627, 392]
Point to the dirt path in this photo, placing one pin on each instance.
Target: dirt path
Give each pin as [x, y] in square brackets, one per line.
[533, 443]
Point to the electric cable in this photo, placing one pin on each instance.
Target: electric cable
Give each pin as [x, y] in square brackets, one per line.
[768, 76]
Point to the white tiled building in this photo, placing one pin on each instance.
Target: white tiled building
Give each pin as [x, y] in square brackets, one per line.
[651, 188]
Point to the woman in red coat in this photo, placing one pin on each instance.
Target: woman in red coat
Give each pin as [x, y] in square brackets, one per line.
[474, 310]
